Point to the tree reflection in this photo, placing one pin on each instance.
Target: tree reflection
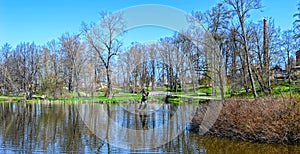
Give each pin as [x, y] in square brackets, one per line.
[58, 128]
[41, 127]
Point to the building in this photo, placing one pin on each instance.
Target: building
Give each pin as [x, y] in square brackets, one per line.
[296, 69]
[280, 74]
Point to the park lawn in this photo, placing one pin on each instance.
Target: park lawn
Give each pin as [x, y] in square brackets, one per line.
[102, 99]
[11, 98]
[280, 88]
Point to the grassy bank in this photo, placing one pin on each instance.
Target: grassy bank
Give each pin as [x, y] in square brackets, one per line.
[270, 119]
[118, 97]
[11, 99]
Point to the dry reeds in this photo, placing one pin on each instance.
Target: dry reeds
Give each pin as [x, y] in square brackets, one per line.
[271, 119]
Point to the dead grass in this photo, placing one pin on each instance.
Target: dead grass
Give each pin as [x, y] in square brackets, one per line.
[270, 119]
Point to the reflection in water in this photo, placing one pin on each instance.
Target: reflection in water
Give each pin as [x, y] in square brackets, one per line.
[59, 128]
[129, 127]
[40, 127]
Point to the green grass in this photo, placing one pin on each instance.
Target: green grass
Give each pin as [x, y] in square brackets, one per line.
[282, 87]
[278, 88]
[11, 99]
[116, 98]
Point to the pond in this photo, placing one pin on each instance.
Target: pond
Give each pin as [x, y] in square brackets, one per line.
[91, 128]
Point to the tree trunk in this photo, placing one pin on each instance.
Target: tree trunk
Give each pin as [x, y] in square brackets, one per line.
[221, 78]
[250, 72]
[233, 67]
[109, 88]
[244, 72]
[248, 58]
[70, 83]
[289, 75]
[153, 75]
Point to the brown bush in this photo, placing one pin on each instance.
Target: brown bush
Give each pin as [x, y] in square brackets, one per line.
[271, 119]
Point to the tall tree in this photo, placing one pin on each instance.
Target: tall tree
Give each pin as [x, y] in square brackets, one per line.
[297, 22]
[71, 48]
[52, 73]
[242, 9]
[28, 65]
[4, 55]
[153, 56]
[166, 54]
[102, 38]
[257, 43]
[217, 20]
[288, 46]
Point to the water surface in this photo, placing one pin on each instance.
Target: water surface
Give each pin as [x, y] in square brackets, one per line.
[59, 128]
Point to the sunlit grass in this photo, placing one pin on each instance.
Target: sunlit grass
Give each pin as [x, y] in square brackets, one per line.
[199, 93]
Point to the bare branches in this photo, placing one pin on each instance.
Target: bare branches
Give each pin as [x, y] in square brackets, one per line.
[102, 38]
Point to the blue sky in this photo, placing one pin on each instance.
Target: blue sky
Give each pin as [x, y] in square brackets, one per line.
[40, 21]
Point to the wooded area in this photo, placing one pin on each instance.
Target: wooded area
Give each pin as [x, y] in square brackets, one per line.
[94, 60]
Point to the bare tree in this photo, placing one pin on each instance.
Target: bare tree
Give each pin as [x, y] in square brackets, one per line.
[10, 70]
[153, 56]
[217, 20]
[260, 58]
[52, 79]
[296, 23]
[72, 48]
[266, 51]
[4, 76]
[166, 53]
[27, 68]
[288, 46]
[242, 9]
[102, 38]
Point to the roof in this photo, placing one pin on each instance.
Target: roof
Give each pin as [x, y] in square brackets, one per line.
[296, 68]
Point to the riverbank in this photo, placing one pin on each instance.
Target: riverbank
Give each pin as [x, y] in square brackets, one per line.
[155, 96]
[38, 99]
[271, 119]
